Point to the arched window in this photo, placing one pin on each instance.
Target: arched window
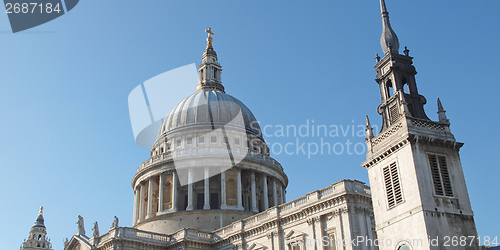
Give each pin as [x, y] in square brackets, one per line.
[405, 87]
[39, 237]
[389, 89]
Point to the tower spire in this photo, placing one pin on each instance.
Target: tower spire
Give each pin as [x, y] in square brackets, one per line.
[389, 41]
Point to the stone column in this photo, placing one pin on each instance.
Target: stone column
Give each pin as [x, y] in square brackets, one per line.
[174, 191]
[164, 146]
[362, 228]
[266, 197]
[318, 232]
[312, 235]
[160, 188]
[190, 189]
[207, 189]
[223, 189]
[369, 229]
[141, 202]
[150, 198]
[275, 196]
[346, 225]
[136, 203]
[254, 192]
[281, 194]
[239, 190]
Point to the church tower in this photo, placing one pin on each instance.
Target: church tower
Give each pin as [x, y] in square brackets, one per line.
[419, 194]
[37, 238]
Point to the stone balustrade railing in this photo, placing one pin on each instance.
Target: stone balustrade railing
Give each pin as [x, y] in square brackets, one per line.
[190, 152]
[427, 124]
[412, 121]
[129, 233]
[286, 208]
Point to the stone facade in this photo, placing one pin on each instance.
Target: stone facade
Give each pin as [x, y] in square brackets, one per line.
[324, 219]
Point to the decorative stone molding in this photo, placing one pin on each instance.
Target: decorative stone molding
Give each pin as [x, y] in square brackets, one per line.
[390, 151]
[386, 134]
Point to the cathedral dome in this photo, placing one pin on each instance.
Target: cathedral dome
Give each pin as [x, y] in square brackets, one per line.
[210, 165]
[210, 109]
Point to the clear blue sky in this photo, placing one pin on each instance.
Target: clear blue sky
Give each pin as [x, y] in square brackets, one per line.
[65, 136]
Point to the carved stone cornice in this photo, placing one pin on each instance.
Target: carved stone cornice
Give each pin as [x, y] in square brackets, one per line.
[386, 153]
[435, 142]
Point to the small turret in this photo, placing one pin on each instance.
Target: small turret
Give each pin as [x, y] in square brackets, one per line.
[37, 238]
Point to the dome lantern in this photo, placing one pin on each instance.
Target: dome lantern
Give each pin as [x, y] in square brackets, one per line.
[210, 70]
[37, 238]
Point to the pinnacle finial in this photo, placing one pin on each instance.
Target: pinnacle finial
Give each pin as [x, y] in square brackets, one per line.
[383, 8]
[440, 105]
[209, 38]
[389, 41]
[41, 211]
[441, 112]
[369, 129]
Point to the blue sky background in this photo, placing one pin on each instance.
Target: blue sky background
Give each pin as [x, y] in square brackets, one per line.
[65, 136]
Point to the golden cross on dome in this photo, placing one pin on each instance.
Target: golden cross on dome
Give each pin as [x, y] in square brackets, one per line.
[209, 31]
[209, 38]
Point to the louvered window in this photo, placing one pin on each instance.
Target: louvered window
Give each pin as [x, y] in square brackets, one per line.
[394, 110]
[440, 175]
[392, 185]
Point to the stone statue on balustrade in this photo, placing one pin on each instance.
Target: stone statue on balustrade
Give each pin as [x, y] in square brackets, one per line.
[95, 230]
[115, 223]
[81, 226]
